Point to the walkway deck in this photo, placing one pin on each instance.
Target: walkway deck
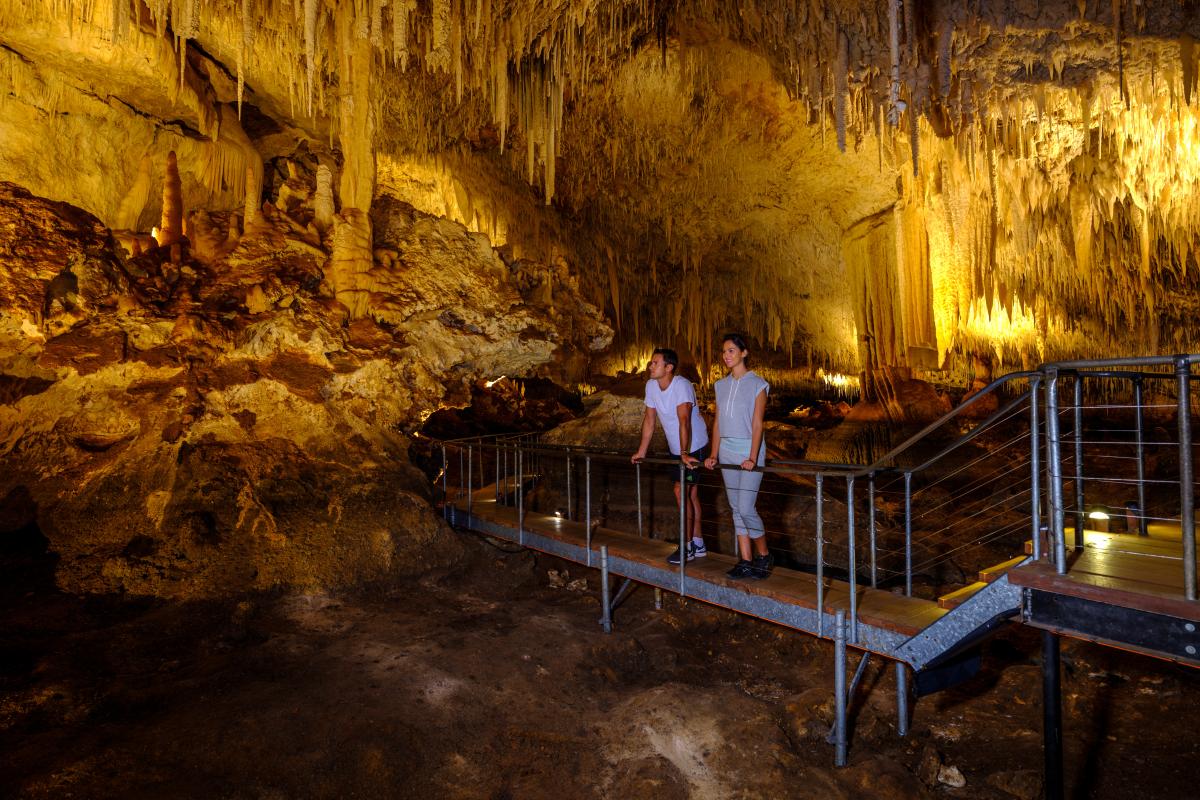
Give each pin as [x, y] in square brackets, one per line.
[1120, 569]
[787, 597]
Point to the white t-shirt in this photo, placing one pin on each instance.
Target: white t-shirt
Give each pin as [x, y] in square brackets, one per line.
[666, 405]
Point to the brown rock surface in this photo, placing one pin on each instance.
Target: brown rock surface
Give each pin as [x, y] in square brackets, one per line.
[184, 428]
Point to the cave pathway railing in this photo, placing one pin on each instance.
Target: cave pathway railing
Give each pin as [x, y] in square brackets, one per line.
[965, 481]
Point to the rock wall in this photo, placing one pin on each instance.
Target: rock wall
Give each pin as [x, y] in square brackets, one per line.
[206, 417]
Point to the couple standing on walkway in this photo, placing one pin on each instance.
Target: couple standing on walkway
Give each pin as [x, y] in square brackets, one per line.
[737, 439]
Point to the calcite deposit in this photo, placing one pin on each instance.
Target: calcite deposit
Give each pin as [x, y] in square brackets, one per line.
[206, 417]
[873, 186]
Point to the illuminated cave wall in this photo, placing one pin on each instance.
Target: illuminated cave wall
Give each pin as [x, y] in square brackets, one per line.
[865, 183]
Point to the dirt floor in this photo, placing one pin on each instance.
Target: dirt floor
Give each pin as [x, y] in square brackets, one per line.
[495, 681]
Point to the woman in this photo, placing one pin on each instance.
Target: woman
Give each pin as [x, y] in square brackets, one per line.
[737, 438]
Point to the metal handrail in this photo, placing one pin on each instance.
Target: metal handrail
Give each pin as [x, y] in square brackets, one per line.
[1043, 396]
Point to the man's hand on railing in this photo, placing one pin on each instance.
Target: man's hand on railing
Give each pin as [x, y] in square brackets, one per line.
[689, 462]
[710, 462]
[637, 457]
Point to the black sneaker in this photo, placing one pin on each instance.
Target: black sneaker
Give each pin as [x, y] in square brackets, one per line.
[741, 570]
[689, 549]
[761, 566]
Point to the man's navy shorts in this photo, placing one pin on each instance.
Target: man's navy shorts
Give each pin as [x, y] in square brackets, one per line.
[691, 476]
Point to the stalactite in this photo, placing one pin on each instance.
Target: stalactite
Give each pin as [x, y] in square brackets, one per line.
[1117, 33]
[894, 107]
[311, 9]
[839, 83]
[1187, 59]
[244, 48]
[439, 55]
[914, 139]
[945, 52]
[376, 34]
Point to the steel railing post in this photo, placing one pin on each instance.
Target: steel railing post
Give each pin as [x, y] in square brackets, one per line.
[871, 517]
[519, 464]
[470, 471]
[1140, 432]
[605, 589]
[1077, 425]
[587, 513]
[1054, 465]
[496, 458]
[445, 485]
[682, 523]
[1035, 468]
[908, 576]
[852, 561]
[570, 509]
[1187, 490]
[820, 555]
[502, 454]
[637, 472]
[839, 687]
[901, 698]
[458, 488]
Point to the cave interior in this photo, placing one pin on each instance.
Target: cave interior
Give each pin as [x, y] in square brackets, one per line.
[259, 257]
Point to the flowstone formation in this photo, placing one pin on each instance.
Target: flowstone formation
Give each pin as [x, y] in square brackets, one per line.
[207, 417]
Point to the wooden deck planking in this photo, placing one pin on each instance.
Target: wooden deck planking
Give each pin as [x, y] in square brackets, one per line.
[883, 609]
[1133, 580]
[1124, 542]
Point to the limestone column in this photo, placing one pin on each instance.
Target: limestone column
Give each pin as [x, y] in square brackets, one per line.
[352, 240]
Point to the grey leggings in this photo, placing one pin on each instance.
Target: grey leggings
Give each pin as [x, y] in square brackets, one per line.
[741, 488]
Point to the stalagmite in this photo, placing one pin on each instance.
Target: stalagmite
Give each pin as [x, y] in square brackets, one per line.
[250, 207]
[170, 230]
[323, 201]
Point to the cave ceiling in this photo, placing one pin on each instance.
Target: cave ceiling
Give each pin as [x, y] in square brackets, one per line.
[855, 184]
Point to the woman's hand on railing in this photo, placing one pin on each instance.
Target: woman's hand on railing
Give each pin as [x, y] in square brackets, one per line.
[748, 464]
[689, 462]
[637, 457]
[710, 462]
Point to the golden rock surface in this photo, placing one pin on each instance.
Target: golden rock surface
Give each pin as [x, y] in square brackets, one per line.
[186, 427]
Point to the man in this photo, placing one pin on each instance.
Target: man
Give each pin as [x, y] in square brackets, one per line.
[671, 400]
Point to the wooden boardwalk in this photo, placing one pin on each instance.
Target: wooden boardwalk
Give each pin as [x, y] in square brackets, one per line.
[878, 608]
[1120, 569]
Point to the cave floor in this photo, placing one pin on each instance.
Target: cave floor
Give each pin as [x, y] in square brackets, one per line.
[492, 682]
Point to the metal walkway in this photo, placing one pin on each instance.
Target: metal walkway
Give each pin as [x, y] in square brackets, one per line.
[1000, 485]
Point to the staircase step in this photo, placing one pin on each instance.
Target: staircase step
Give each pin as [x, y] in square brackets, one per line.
[996, 570]
[960, 596]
